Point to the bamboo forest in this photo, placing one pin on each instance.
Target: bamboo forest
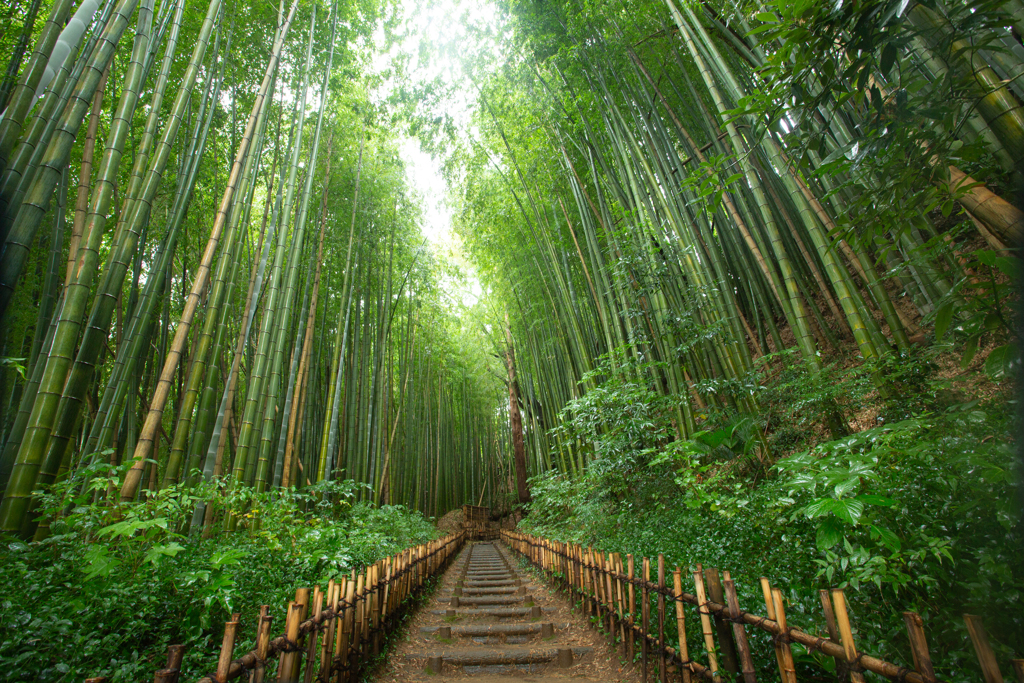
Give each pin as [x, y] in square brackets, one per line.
[324, 293]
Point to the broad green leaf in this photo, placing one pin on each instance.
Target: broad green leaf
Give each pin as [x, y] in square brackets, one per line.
[828, 534]
[970, 349]
[100, 562]
[1000, 361]
[942, 319]
[848, 510]
[886, 537]
[847, 485]
[872, 499]
[154, 554]
[888, 58]
[818, 508]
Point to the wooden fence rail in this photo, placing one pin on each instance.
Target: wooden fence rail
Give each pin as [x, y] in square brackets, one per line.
[328, 634]
[608, 588]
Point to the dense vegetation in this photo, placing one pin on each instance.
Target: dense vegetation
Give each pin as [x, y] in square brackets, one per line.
[747, 276]
[763, 318]
[914, 513]
[101, 599]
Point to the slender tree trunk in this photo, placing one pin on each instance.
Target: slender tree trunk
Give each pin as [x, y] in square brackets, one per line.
[515, 418]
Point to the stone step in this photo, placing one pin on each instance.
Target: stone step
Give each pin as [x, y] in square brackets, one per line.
[493, 584]
[532, 612]
[473, 567]
[493, 629]
[435, 660]
[488, 590]
[457, 601]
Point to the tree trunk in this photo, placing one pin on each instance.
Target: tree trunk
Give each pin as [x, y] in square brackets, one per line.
[516, 419]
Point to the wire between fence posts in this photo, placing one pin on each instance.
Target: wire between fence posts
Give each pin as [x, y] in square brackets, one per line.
[589, 576]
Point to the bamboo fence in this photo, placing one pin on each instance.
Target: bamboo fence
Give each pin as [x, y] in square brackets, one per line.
[608, 588]
[328, 634]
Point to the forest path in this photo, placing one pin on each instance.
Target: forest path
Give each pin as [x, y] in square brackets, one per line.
[491, 621]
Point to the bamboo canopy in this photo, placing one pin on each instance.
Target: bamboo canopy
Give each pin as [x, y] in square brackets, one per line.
[212, 269]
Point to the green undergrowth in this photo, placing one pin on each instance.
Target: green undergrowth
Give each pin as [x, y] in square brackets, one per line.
[918, 512]
[106, 599]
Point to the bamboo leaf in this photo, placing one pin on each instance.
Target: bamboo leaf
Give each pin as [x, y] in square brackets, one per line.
[942, 319]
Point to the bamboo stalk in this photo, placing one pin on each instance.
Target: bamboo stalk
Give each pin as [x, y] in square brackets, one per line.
[311, 646]
[986, 657]
[645, 610]
[725, 643]
[705, 623]
[227, 647]
[631, 575]
[289, 659]
[152, 426]
[684, 649]
[661, 619]
[918, 645]
[262, 644]
[788, 669]
[740, 633]
[846, 634]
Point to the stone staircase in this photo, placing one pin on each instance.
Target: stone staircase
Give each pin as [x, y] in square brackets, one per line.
[487, 622]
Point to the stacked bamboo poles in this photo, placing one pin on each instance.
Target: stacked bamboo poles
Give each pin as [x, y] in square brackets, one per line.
[329, 634]
[594, 578]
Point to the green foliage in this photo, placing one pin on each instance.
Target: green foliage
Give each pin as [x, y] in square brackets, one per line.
[979, 304]
[918, 514]
[793, 400]
[16, 364]
[106, 597]
[623, 416]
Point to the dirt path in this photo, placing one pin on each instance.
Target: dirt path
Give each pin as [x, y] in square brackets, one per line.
[491, 622]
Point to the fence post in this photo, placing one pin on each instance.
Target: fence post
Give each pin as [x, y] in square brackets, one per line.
[289, 658]
[632, 608]
[742, 646]
[725, 643]
[302, 598]
[705, 622]
[343, 640]
[358, 630]
[619, 593]
[175, 653]
[789, 676]
[769, 605]
[684, 649]
[328, 638]
[377, 602]
[661, 618]
[645, 614]
[318, 603]
[604, 579]
[846, 633]
[227, 648]
[919, 646]
[833, 633]
[262, 644]
[987, 658]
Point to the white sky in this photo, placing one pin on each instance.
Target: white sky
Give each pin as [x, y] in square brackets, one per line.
[424, 174]
[438, 36]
